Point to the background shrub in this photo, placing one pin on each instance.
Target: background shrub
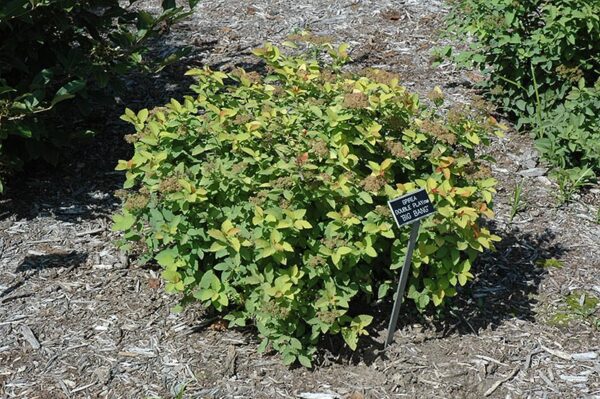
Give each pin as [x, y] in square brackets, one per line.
[52, 51]
[569, 135]
[265, 197]
[533, 54]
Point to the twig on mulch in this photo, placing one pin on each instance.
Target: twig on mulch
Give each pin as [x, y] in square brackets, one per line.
[91, 232]
[502, 381]
[30, 337]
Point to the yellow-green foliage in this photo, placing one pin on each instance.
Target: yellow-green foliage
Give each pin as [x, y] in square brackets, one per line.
[265, 197]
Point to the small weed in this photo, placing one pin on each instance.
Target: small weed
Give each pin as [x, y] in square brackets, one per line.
[582, 304]
[578, 305]
[570, 181]
[517, 204]
[560, 319]
[179, 395]
[550, 263]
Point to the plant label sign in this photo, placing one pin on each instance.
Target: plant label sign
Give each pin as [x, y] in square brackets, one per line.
[411, 207]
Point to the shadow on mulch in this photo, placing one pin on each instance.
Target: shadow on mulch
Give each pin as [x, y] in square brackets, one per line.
[48, 261]
[82, 185]
[33, 264]
[505, 287]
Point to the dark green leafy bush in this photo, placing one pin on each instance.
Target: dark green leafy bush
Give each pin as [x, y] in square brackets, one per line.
[265, 197]
[569, 135]
[52, 51]
[533, 53]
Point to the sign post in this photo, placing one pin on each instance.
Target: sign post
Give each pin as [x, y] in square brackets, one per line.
[408, 209]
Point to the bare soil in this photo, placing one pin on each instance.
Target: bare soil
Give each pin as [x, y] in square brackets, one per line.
[79, 320]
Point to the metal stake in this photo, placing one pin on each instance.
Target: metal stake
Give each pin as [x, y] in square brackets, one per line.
[402, 283]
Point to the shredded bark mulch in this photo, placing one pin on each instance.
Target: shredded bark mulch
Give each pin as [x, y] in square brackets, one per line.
[77, 320]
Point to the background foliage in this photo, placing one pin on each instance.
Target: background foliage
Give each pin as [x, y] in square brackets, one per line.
[541, 60]
[53, 51]
[265, 197]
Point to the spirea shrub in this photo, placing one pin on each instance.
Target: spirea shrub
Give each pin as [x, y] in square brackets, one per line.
[265, 196]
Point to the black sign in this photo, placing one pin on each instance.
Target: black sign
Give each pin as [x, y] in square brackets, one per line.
[411, 207]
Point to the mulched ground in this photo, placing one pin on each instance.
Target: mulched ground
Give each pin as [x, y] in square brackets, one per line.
[77, 320]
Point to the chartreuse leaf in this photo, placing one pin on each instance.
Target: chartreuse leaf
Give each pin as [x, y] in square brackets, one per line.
[122, 222]
[167, 257]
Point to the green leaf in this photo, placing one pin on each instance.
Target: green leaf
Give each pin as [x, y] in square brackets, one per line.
[263, 345]
[217, 246]
[210, 280]
[344, 251]
[362, 320]
[305, 361]
[171, 276]
[423, 301]
[288, 359]
[371, 252]
[366, 197]
[123, 222]
[217, 235]
[68, 91]
[167, 257]
[382, 291]
[351, 337]
[168, 4]
[204, 294]
[142, 115]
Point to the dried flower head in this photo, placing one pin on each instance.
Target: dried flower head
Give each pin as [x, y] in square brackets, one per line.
[253, 77]
[315, 261]
[415, 153]
[131, 138]
[396, 123]
[480, 105]
[395, 148]
[327, 75]
[136, 202]
[572, 74]
[380, 76]
[436, 96]
[169, 185]
[259, 198]
[283, 182]
[121, 194]
[327, 316]
[457, 114]
[326, 177]
[284, 203]
[477, 171]
[373, 183]
[275, 310]
[383, 210]
[438, 131]
[497, 90]
[356, 100]
[319, 148]
[239, 167]
[241, 119]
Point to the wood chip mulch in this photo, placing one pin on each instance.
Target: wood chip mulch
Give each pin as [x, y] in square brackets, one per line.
[77, 320]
